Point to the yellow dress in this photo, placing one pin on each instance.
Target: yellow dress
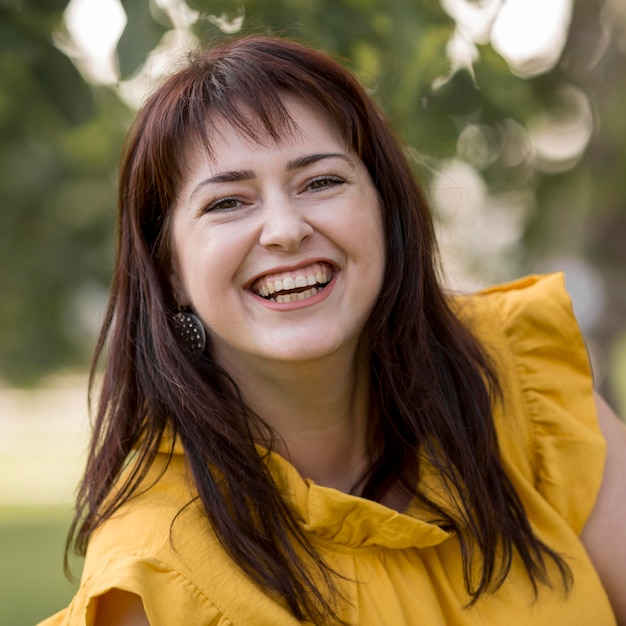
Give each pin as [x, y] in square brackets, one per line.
[399, 569]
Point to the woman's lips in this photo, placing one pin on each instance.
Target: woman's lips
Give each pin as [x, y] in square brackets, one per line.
[294, 285]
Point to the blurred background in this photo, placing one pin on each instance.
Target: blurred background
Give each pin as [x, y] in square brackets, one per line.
[512, 111]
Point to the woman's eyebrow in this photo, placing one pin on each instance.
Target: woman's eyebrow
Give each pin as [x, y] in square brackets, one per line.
[235, 176]
[224, 177]
[309, 159]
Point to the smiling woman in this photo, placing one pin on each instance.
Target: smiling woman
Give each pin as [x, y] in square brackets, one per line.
[329, 436]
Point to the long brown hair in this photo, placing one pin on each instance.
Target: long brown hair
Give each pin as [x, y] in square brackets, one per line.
[432, 383]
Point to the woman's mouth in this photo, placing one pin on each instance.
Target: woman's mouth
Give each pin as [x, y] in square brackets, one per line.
[296, 285]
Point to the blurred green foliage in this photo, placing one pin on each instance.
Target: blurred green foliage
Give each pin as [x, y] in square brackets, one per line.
[61, 138]
[60, 141]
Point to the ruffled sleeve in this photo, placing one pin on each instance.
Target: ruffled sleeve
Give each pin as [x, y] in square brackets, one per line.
[132, 551]
[547, 384]
[168, 597]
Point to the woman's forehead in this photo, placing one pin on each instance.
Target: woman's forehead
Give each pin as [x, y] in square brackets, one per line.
[298, 121]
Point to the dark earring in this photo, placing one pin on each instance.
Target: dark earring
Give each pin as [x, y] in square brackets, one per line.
[191, 331]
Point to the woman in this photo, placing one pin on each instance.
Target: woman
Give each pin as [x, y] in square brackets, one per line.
[295, 422]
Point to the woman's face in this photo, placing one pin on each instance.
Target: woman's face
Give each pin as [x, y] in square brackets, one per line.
[278, 247]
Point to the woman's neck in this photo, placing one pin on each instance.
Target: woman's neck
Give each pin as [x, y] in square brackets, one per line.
[320, 411]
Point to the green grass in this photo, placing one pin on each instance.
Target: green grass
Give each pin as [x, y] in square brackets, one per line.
[32, 583]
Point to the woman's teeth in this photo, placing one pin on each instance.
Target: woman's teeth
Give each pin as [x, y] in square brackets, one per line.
[289, 288]
[288, 283]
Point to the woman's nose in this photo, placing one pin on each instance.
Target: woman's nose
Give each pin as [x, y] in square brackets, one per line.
[284, 226]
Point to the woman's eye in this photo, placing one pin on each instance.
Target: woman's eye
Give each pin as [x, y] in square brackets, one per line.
[223, 204]
[324, 182]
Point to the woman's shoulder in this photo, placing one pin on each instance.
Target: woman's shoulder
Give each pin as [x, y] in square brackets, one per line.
[160, 546]
[547, 420]
[145, 520]
[131, 552]
[149, 547]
